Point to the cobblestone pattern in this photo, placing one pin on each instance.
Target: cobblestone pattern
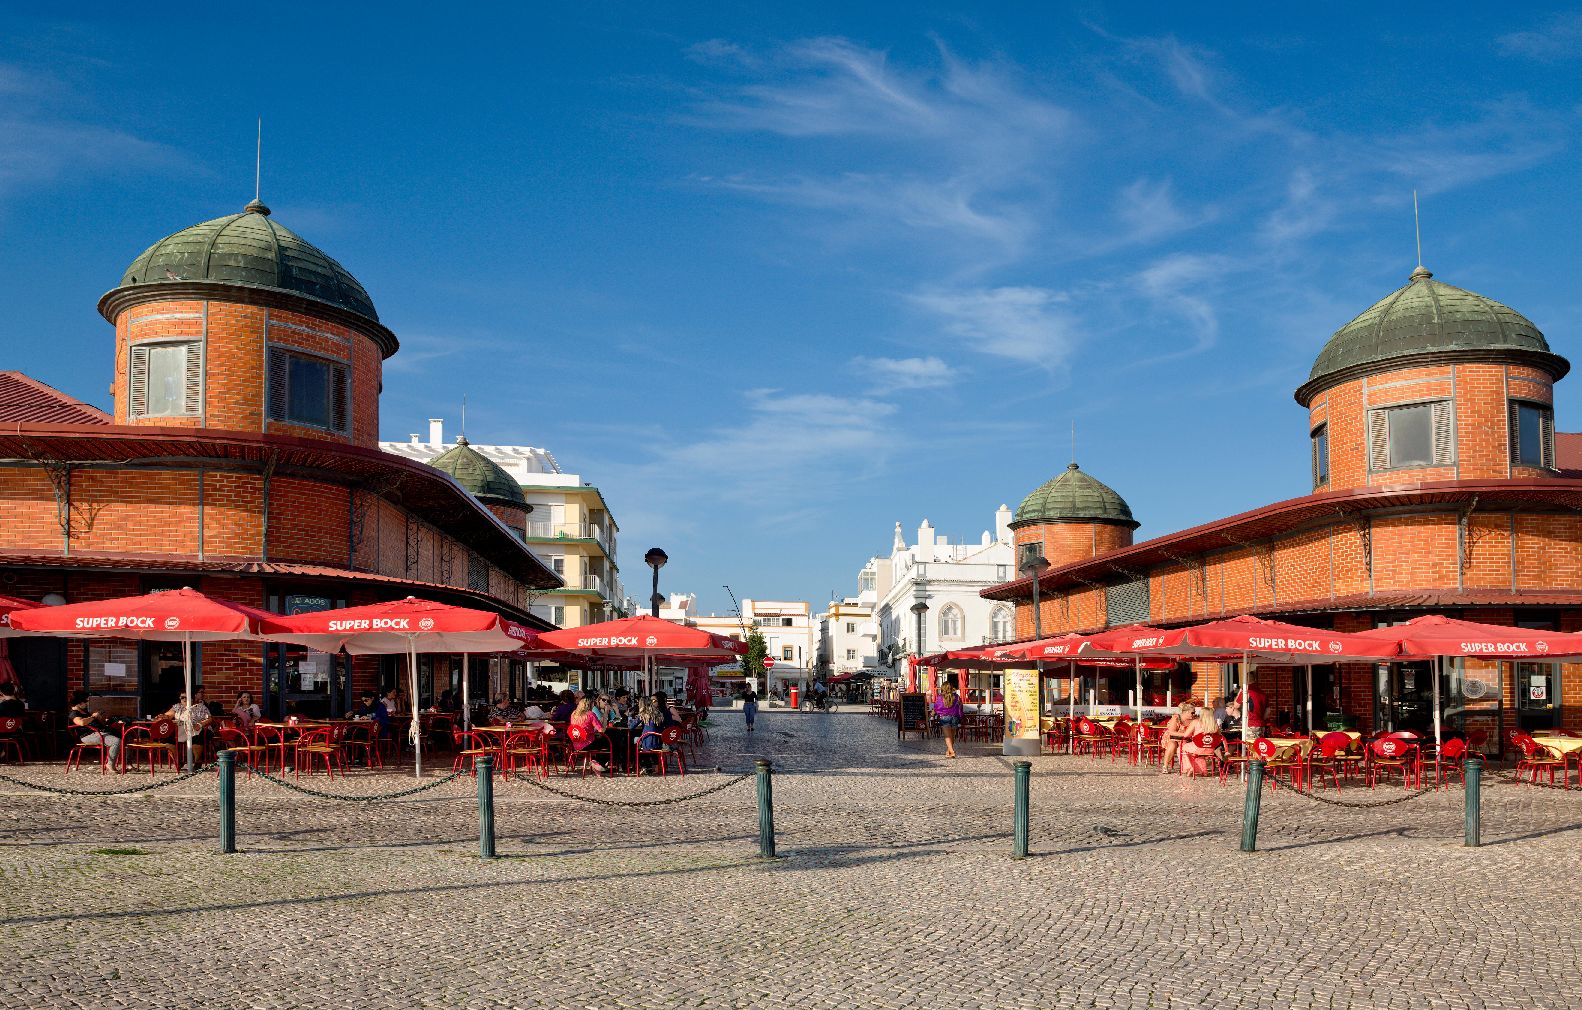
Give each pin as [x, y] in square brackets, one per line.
[895, 890]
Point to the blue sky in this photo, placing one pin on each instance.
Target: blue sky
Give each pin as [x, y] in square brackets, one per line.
[778, 279]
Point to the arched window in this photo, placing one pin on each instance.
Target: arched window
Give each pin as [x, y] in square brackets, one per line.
[950, 622]
[1000, 625]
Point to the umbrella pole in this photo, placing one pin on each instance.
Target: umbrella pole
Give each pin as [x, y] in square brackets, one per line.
[1439, 669]
[416, 732]
[1310, 697]
[1246, 707]
[186, 668]
[466, 692]
[1137, 665]
[1071, 708]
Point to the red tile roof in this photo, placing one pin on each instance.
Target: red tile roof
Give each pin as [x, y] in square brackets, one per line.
[29, 401]
[1568, 453]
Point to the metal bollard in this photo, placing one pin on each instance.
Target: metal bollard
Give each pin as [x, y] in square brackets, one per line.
[766, 810]
[227, 801]
[1474, 769]
[485, 771]
[1023, 770]
[1249, 813]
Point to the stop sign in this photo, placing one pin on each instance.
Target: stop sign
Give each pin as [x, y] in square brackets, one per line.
[768, 662]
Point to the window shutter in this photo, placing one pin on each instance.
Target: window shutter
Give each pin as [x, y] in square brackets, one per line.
[192, 401]
[137, 382]
[1547, 419]
[1316, 471]
[1378, 441]
[279, 369]
[1514, 433]
[1444, 435]
[338, 412]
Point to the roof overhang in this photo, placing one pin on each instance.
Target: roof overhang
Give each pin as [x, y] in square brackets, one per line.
[1550, 495]
[423, 490]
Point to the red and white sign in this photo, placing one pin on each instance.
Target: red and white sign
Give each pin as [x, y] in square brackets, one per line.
[398, 626]
[769, 662]
[170, 616]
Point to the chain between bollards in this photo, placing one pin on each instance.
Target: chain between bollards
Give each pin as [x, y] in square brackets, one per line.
[1249, 813]
[1474, 791]
[227, 762]
[766, 809]
[1022, 774]
[485, 769]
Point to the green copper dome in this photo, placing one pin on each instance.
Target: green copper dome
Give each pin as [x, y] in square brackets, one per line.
[482, 477]
[1073, 496]
[250, 250]
[1429, 318]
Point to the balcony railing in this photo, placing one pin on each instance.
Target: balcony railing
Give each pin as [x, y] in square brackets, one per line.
[546, 530]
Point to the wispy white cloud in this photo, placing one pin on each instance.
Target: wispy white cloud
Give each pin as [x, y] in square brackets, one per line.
[1032, 325]
[1560, 38]
[901, 374]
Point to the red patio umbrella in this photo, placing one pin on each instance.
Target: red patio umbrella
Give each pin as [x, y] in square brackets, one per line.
[643, 636]
[8, 604]
[180, 615]
[399, 626]
[1436, 637]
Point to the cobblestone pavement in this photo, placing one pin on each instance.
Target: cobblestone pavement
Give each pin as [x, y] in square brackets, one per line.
[895, 890]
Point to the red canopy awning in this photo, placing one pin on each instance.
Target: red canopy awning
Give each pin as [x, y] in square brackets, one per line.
[1266, 641]
[8, 606]
[396, 626]
[1434, 635]
[174, 616]
[636, 637]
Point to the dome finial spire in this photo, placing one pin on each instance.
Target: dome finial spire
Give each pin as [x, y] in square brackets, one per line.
[257, 206]
[1422, 273]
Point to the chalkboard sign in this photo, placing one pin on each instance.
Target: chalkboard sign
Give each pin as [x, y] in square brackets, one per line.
[912, 714]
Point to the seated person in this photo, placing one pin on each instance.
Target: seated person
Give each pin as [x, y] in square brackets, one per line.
[1195, 759]
[87, 726]
[533, 712]
[564, 708]
[191, 721]
[584, 718]
[662, 705]
[11, 706]
[380, 713]
[246, 712]
[504, 710]
[1177, 729]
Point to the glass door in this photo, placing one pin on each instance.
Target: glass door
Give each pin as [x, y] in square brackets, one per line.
[1537, 696]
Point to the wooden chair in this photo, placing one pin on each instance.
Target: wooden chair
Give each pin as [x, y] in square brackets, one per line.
[326, 744]
[156, 741]
[236, 741]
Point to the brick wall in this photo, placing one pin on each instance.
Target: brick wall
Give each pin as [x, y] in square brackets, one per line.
[1065, 542]
[236, 339]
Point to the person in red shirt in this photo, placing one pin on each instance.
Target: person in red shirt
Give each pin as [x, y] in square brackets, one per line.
[1253, 709]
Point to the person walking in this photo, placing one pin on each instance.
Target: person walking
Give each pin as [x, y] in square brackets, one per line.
[750, 708]
[949, 709]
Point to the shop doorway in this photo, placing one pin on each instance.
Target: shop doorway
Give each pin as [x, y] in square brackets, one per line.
[1537, 696]
[161, 681]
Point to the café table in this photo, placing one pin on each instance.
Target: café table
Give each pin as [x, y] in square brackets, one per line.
[1567, 748]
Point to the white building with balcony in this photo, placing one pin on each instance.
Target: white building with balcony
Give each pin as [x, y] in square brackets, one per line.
[945, 578]
[848, 638]
[569, 527]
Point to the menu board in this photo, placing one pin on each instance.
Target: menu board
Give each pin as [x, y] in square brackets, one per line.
[912, 713]
[1021, 705]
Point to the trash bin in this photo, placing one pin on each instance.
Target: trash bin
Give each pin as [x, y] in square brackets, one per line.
[796, 695]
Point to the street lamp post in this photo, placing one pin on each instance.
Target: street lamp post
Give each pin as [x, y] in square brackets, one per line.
[655, 559]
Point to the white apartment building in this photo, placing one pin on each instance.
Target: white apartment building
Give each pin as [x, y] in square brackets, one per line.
[790, 631]
[570, 528]
[946, 579]
[848, 638]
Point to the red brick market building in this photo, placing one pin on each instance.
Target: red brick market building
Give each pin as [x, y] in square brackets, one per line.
[241, 458]
[1438, 486]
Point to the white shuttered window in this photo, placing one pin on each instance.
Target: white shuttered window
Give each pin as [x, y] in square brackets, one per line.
[1411, 435]
[165, 379]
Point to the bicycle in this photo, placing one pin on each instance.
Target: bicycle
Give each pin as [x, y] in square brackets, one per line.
[813, 703]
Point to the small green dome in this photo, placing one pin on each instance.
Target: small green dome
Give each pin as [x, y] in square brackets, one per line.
[1429, 317]
[250, 250]
[1073, 496]
[483, 478]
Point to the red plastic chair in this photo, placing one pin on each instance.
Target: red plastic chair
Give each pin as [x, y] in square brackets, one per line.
[1390, 754]
[1123, 741]
[1279, 761]
[362, 740]
[587, 747]
[1331, 755]
[1092, 739]
[156, 740]
[469, 746]
[1209, 745]
[11, 740]
[1451, 759]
